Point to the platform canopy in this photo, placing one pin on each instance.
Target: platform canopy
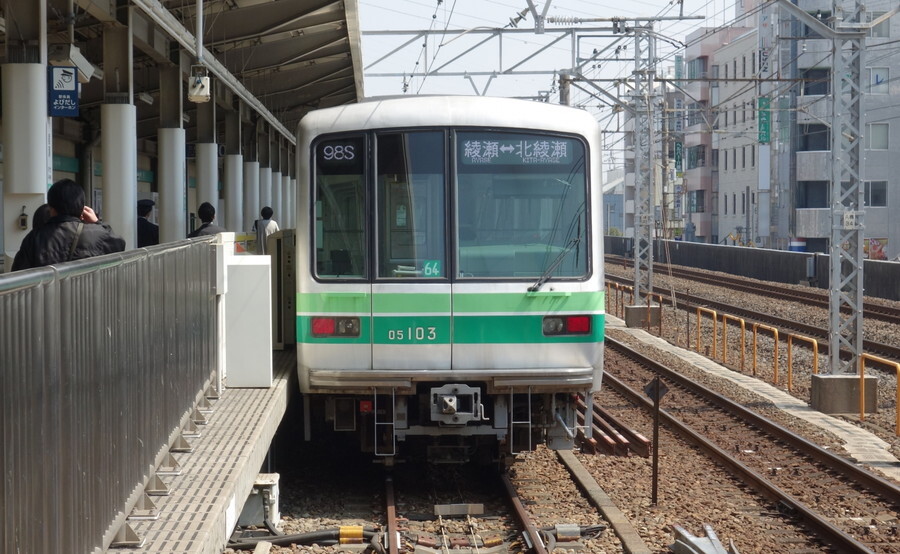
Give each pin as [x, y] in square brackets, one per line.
[281, 58]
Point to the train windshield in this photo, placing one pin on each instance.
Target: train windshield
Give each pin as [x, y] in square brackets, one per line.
[520, 206]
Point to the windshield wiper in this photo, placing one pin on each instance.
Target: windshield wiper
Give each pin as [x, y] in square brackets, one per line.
[552, 267]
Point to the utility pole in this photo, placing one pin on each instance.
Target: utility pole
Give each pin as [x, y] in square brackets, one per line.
[642, 103]
[845, 327]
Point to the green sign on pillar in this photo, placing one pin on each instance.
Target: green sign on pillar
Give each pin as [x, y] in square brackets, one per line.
[679, 164]
[764, 123]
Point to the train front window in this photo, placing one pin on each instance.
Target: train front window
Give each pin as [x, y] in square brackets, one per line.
[340, 208]
[410, 192]
[520, 206]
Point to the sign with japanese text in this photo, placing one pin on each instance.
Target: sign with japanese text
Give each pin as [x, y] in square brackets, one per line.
[764, 120]
[62, 91]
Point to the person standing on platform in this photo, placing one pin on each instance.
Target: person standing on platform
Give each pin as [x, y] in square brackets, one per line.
[147, 231]
[73, 231]
[207, 214]
[41, 216]
[263, 228]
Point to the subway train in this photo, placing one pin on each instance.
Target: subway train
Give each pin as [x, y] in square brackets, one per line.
[449, 268]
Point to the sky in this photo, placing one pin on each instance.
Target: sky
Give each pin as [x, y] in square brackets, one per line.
[475, 15]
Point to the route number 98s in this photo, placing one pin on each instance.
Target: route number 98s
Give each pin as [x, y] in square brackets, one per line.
[339, 152]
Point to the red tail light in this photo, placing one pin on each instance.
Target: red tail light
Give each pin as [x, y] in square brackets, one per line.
[578, 324]
[323, 326]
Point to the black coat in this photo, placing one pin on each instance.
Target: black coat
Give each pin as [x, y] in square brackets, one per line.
[52, 243]
[207, 229]
[148, 232]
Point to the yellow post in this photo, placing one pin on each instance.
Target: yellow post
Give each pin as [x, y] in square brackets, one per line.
[725, 337]
[715, 320]
[862, 386]
[815, 345]
[757, 326]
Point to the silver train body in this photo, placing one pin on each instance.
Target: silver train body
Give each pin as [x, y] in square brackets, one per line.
[450, 287]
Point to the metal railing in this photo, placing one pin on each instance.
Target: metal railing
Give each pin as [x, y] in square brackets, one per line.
[101, 363]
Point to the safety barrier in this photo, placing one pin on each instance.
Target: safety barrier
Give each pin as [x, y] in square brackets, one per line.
[715, 320]
[815, 347]
[756, 327]
[862, 386]
[103, 361]
[619, 296]
[659, 299]
[245, 243]
[725, 319]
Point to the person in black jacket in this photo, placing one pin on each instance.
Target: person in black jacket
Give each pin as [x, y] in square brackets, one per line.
[207, 214]
[73, 231]
[147, 231]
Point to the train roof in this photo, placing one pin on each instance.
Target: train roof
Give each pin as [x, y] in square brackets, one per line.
[423, 111]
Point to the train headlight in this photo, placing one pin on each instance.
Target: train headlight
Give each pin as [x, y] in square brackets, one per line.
[566, 325]
[553, 325]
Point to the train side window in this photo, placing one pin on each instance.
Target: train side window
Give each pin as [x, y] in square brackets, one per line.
[411, 198]
[340, 208]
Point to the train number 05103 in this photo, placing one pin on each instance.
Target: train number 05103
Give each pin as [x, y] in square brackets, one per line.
[413, 333]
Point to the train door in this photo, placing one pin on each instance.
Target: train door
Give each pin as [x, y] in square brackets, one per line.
[411, 290]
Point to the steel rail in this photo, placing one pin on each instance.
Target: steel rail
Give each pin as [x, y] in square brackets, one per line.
[524, 517]
[813, 297]
[875, 484]
[689, 301]
[393, 531]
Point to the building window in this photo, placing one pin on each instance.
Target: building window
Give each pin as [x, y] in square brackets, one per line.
[696, 201]
[743, 202]
[725, 204]
[883, 29]
[876, 194]
[725, 116]
[752, 155]
[743, 157]
[725, 65]
[822, 16]
[813, 138]
[878, 136]
[696, 156]
[816, 81]
[714, 157]
[734, 67]
[725, 159]
[753, 63]
[878, 80]
[696, 112]
[697, 68]
[744, 67]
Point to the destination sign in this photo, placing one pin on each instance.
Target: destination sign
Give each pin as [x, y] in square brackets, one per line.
[498, 150]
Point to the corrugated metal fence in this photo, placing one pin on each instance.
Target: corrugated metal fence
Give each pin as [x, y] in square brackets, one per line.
[101, 364]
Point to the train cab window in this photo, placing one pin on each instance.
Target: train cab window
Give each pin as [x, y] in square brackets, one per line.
[340, 208]
[520, 206]
[411, 197]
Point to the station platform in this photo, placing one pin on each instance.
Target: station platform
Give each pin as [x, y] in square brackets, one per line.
[204, 500]
[865, 447]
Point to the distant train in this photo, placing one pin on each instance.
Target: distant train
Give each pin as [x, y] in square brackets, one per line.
[449, 265]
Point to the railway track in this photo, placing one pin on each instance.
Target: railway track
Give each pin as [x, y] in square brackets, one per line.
[836, 501]
[811, 297]
[692, 302]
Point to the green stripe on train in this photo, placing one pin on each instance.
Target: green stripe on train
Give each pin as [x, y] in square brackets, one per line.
[410, 303]
[471, 329]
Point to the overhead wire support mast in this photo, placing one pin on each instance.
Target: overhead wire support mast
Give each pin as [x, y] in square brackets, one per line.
[848, 36]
